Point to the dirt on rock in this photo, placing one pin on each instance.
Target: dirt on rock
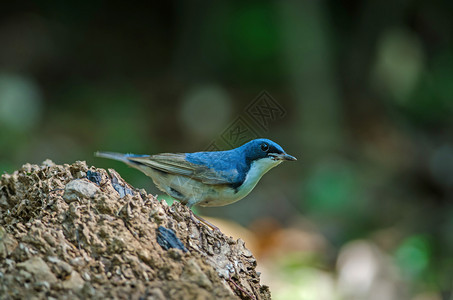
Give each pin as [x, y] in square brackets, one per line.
[78, 232]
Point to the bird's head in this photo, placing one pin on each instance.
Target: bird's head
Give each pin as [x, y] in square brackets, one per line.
[265, 149]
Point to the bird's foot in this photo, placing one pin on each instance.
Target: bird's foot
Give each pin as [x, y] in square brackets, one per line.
[198, 220]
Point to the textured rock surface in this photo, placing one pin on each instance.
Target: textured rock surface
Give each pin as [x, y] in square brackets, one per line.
[66, 237]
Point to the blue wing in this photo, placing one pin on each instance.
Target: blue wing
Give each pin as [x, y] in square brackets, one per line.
[207, 167]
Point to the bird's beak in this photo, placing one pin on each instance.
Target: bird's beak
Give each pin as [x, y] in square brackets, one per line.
[282, 156]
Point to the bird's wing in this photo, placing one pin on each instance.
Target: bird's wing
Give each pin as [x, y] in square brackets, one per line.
[176, 163]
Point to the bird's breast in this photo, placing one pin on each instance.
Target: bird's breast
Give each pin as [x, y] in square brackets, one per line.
[227, 194]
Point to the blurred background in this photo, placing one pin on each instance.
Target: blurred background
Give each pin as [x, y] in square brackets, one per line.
[360, 92]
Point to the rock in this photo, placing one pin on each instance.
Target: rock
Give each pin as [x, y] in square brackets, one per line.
[78, 262]
[89, 243]
[193, 272]
[79, 188]
[39, 269]
[7, 243]
[74, 282]
[155, 294]
[47, 163]
[62, 267]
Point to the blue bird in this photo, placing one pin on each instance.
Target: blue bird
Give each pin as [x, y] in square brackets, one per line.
[214, 178]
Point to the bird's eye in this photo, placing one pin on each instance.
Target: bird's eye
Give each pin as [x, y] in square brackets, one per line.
[264, 147]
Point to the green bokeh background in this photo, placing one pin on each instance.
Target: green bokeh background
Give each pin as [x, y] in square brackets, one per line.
[366, 87]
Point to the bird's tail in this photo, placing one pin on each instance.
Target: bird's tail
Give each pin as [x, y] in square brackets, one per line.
[113, 155]
[118, 156]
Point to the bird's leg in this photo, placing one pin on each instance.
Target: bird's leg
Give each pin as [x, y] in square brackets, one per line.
[198, 220]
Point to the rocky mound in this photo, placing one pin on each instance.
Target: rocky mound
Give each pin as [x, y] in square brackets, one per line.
[69, 231]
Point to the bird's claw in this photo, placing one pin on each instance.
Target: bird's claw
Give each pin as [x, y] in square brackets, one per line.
[198, 220]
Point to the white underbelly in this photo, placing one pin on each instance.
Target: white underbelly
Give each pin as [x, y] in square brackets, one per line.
[193, 192]
[228, 195]
[222, 195]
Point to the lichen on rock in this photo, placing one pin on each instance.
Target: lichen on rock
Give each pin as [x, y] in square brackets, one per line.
[73, 231]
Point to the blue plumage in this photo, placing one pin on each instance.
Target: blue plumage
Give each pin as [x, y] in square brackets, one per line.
[236, 162]
[208, 178]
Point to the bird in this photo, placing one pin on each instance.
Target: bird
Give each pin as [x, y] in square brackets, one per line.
[212, 178]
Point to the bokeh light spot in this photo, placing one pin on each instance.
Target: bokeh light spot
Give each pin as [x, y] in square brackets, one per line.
[205, 111]
[399, 64]
[20, 102]
[331, 189]
[413, 255]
